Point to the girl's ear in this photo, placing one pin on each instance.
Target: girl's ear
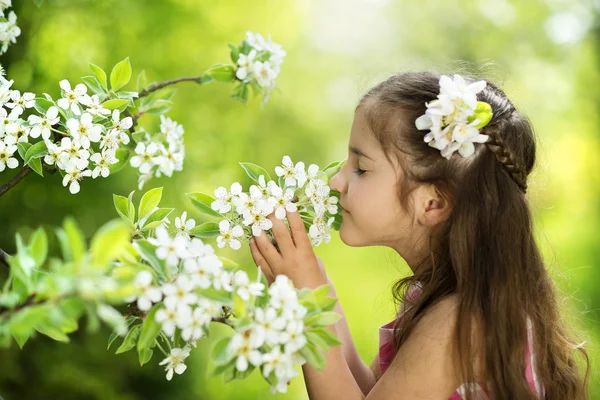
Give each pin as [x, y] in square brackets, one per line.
[431, 206]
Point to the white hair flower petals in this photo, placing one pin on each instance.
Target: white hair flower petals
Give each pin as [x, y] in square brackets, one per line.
[455, 117]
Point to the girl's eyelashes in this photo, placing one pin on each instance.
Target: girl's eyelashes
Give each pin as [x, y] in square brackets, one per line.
[359, 171]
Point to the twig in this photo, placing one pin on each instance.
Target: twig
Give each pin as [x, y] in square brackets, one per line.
[22, 174]
[8, 185]
[161, 85]
[4, 258]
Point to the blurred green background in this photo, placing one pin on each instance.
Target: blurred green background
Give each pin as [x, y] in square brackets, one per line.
[544, 53]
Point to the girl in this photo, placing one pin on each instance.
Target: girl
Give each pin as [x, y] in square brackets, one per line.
[437, 170]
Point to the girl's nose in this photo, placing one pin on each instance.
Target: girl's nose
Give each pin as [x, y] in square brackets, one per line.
[335, 182]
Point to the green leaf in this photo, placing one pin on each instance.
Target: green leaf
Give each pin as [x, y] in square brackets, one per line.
[142, 81]
[21, 340]
[113, 318]
[323, 319]
[22, 148]
[254, 171]
[114, 335]
[120, 74]
[222, 72]
[228, 263]
[52, 332]
[220, 352]
[328, 304]
[246, 373]
[123, 156]
[100, 75]
[150, 199]
[313, 356]
[150, 329]
[130, 340]
[235, 52]
[327, 336]
[202, 203]
[109, 241]
[92, 83]
[221, 370]
[23, 322]
[159, 106]
[36, 165]
[206, 230]
[38, 2]
[240, 93]
[206, 79]
[42, 105]
[123, 208]
[156, 218]
[221, 296]
[315, 339]
[71, 240]
[145, 355]
[38, 246]
[114, 104]
[483, 112]
[36, 151]
[148, 252]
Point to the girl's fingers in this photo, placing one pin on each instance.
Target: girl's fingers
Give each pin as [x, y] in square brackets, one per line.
[282, 235]
[298, 230]
[261, 262]
[268, 251]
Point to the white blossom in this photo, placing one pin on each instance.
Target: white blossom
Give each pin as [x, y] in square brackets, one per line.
[6, 156]
[103, 162]
[224, 198]
[319, 231]
[73, 174]
[43, 125]
[257, 217]
[20, 103]
[269, 324]
[73, 97]
[283, 201]
[94, 107]
[145, 157]
[245, 288]
[175, 360]
[229, 236]
[183, 225]
[244, 346]
[147, 294]
[84, 130]
[169, 249]
[167, 318]
[245, 62]
[292, 173]
[179, 293]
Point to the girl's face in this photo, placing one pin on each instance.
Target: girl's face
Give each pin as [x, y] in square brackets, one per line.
[371, 210]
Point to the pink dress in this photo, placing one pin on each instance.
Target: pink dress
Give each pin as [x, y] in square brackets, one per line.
[387, 351]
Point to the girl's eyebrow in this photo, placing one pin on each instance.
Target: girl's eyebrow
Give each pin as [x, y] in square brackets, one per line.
[359, 152]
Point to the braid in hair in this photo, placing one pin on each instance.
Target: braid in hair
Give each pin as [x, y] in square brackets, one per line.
[506, 157]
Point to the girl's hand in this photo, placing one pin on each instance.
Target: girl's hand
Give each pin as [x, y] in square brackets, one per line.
[295, 258]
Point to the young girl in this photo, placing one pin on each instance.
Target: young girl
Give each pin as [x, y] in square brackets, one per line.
[437, 170]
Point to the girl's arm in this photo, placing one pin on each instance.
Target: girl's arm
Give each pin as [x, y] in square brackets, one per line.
[364, 376]
[423, 368]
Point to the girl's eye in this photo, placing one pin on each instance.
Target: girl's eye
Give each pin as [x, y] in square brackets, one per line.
[359, 171]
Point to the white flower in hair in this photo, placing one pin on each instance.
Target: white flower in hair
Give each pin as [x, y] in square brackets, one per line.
[455, 117]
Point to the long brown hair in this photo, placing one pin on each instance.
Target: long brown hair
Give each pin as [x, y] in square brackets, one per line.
[485, 251]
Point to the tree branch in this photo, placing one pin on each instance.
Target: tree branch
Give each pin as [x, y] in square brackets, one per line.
[156, 86]
[4, 258]
[22, 174]
[8, 185]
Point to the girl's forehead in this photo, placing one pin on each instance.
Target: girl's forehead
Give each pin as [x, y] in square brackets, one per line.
[363, 139]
